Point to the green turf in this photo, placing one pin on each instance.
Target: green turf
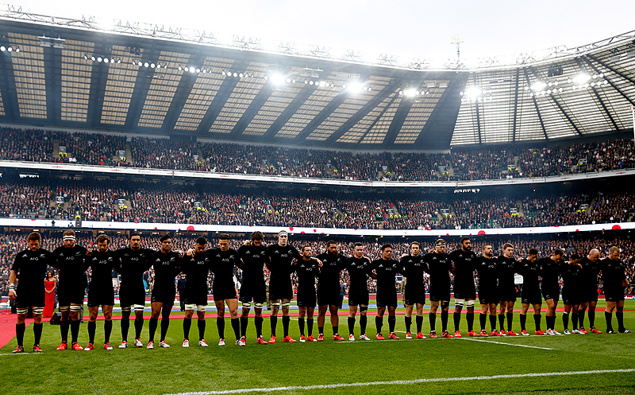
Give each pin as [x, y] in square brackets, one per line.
[216, 368]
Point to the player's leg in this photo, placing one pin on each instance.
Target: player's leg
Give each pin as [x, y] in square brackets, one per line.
[458, 308]
[37, 327]
[220, 318]
[320, 321]
[469, 316]
[352, 312]
[608, 314]
[75, 308]
[434, 305]
[286, 319]
[492, 319]
[166, 310]
[232, 306]
[258, 320]
[107, 311]
[154, 320]
[392, 320]
[275, 307]
[244, 315]
[408, 319]
[335, 321]
[510, 317]
[93, 311]
[592, 307]
[138, 323]
[309, 321]
[20, 327]
[187, 323]
[501, 315]
[575, 308]
[200, 314]
[538, 317]
[379, 320]
[126, 310]
[301, 314]
[619, 314]
[419, 319]
[445, 309]
[581, 312]
[65, 310]
[483, 316]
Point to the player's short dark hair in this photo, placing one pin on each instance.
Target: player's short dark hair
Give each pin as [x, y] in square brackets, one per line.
[533, 251]
[257, 235]
[439, 241]
[35, 236]
[574, 257]
[558, 252]
[331, 242]
[69, 232]
[386, 246]
[102, 238]
[415, 243]
[507, 245]
[358, 244]
[165, 237]
[464, 238]
[306, 246]
[135, 234]
[223, 236]
[201, 241]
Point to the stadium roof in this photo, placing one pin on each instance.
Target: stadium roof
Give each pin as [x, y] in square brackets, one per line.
[70, 74]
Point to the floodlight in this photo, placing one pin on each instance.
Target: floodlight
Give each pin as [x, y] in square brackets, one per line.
[10, 48]
[99, 59]
[192, 69]
[235, 74]
[355, 87]
[17, 49]
[473, 92]
[582, 78]
[277, 79]
[538, 86]
[153, 65]
[106, 60]
[146, 64]
[93, 58]
[3, 48]
[410, 92]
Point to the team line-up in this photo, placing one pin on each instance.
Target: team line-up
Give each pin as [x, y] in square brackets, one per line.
[496, 288]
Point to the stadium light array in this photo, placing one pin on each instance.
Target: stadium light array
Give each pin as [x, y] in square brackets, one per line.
[355, 87]
[151, 65]
[235, 74]
[102, 59]
[9, 49]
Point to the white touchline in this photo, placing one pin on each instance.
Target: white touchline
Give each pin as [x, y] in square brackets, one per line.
[507, 344]
[405, 382]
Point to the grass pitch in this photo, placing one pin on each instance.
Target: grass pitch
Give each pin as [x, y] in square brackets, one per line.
[557, 364]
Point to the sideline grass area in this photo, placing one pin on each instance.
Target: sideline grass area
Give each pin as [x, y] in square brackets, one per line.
[178, 370]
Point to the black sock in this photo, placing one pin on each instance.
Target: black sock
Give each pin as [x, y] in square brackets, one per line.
[153, 328]
[107, 330]
[391, 323]
[510, 320]
[92, 326]
[537, 319]
[501, 321]
[285, 324]
[321, 330]
[469, 317]
[408, 321]
[419, 320]
[523, 322]
[483, 319]
[138, 326]
[19, 333]
[220, 325]
[363, 321]
[74, 330]
[187, 323]
[565, 320]
[574, 321]
[620, 321]
[444, 320]
[552, 322]
[64, 330]
[244, 321]
[201, 329]
[492, 322]
[301, 325]
[336, 330]
[236, 327]
[432, 317]
[37, 333]
[379, 322]
[165, 324]
[125, 325]
[274, 322]
[309, 324]
[351, 325]
[258, 321]
[609, 317]
[581, 317]
[457, 320]
[592, 318]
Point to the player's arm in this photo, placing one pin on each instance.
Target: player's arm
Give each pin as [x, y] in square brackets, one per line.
[12, 277]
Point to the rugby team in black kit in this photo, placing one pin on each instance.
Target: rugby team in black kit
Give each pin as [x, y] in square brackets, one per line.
[496, 279]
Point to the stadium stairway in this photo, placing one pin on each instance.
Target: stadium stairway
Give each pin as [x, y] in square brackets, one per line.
[129, 159]
[56, 148]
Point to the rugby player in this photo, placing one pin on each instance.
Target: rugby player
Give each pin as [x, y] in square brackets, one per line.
[589, 289]
[196, 268]
[328, 289]
[550, 270]
[507, 288]
[307, 270]
[358, 267]
[464, 261]
[571, 275]
[530, 295]
[439, 267]
[488, 295]
[384, 270]
[413, 267]
[614, 276]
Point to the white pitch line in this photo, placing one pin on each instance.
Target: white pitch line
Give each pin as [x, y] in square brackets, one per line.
[406, 382]
[506, 344]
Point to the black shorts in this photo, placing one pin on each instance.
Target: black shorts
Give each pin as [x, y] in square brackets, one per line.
[165, 295]
[413, 294]
[358, 297]
[100, 296]
[30, 297]
[129, 297]
[571, 296]
[197, 297]
[465, 293]
[224, 291]
[307, 298]
[74, 295]
[440, 294]
[327, 296]
[280, 290]
[508, 293]
[551, 293]
[386, 299]
[256, 292]
[488, 295]
[614, 294]
[531, 298]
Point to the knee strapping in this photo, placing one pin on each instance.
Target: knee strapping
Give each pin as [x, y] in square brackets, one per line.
[22, 310]
[258, 306]
[363, 308]
[138, 307]
[286, 304]
[459, 302]
[246, 305]
[201, 307]
[126, 309]
[470, 303]
[38, 310]
[64, 309]
[76, 308]
[275, 304]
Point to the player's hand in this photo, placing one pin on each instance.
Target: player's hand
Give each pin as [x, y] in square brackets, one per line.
[190, 252]
[246, 243]
[89, 252]
[12, 294]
